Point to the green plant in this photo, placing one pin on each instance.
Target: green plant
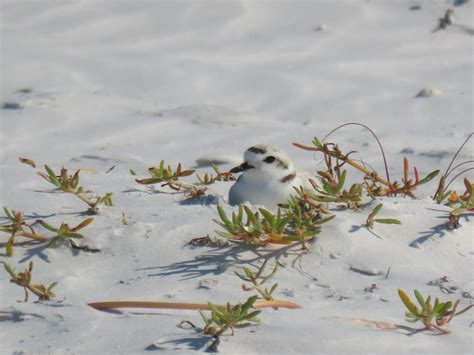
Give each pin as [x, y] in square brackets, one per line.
[17, 227]
[431, 315]
[64, 232]
[371, 220]
[264, 227]
[23, 279]
[169, 177]
[442, 191]
[228, 318]
[304, 220]
[332, 190]
[257, 280]
[209, 179]
[70, 184]
[331, 150]
[460, 204]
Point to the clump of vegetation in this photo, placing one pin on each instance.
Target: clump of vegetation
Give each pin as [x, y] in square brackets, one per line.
[228, 318]
[171, 178]
[167, 176]
[18, 227]
[374, 184]
[257, 280]
[460, 203]
[209, 179]
[371, 218]
[23, 279]
[64, 232]
[431, 315]
[70, 184]
[264, 227]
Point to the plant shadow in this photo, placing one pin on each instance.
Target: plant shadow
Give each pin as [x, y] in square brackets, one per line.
[197, 342]
[438, 231]
[215, 262]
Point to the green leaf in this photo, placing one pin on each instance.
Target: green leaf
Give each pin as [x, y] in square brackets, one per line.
[260, 270]
[249, 303]
[387, 221]
[428, 178]
[407, 302]
[10, 270]
[248, 272]
[250, 315]
[224, 218]
[251, 217]
[132, 172]
[52, 176]
[47, 226]
[340, 183]
[273, 289]
[9, 247]
[53, 285]
[324, 220]
[225, 235]
[376, 209]
[444, 308]
[268, 216]
[71, 234]
[8, 213]
[421, 300]
[317, 143]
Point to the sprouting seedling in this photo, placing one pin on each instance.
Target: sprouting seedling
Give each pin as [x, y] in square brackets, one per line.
[442, 191]
[64, 232]
[70, 184]
[257, 280]
[431, 315]
[229, 318]
[23, 279]
[209, 179]
[17, 227]
[171, 178]
[371, 220]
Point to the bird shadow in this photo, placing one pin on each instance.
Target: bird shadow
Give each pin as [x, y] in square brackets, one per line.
[214, 262]
[204, 201]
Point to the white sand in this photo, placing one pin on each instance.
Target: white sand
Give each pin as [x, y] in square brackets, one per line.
[130, 83]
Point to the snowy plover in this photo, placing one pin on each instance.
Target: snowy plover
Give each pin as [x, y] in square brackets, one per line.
[268, 177]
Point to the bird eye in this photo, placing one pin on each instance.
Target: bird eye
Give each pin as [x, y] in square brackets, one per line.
[269, 159]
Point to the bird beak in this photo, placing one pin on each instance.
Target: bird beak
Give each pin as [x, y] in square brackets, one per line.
[242, 167]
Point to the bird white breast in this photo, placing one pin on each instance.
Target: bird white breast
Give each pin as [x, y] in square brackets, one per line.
[268, 193]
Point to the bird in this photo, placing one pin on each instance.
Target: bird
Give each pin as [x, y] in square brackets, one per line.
[268, 178]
